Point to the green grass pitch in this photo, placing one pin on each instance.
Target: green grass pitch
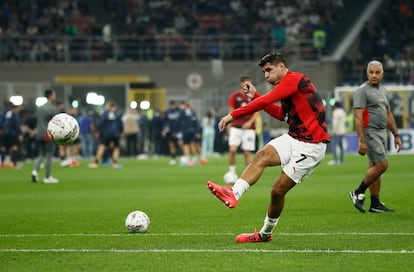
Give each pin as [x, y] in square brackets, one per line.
[78, 224]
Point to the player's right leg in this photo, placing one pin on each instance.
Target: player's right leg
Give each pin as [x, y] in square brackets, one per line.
[223, 193]
[267, 156]
[98, 156]
[281, 187]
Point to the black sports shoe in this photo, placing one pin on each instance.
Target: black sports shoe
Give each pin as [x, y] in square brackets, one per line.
[358, 200]
[380, 208]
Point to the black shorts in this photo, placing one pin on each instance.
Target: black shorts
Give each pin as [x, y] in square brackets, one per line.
[10, 141]
[196, 137]
[172, 137]
[114, 140]
[188, 137]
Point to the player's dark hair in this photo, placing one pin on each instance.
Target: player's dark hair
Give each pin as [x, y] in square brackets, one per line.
[49, 93]
[245, 78]
[11, 105]
[272, 57]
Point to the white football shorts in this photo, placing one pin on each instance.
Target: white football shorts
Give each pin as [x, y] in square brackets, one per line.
[298, 159]
[244, 137]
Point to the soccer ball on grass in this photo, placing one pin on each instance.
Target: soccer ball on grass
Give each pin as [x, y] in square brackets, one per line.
[63, 129]
[137, 221]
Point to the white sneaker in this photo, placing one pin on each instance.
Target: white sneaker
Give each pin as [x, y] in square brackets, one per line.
[173, 162]
[50, 180]
[65, 163]
[331, 162]
[35, 177]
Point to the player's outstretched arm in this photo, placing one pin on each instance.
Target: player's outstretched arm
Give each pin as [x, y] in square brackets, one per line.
[224, 121]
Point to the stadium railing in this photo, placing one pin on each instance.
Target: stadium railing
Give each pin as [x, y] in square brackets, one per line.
[163, 47]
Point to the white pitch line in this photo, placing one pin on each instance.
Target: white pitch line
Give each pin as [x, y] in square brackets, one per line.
[206, 234]
[67, 250]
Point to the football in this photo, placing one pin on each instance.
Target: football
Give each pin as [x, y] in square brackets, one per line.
[63, 129]
[230, 178]
[137, 221]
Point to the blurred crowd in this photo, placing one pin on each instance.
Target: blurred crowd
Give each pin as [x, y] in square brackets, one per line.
[140, 134]
[389, 38]
[160, 29]
[139, 17]
[268, 23]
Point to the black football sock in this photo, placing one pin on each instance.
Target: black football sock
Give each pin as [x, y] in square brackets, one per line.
[375, 200]
[361, 189]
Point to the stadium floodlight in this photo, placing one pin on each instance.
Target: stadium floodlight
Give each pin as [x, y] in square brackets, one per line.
[93, 98]
[17, 100]
[133, 105]
[144, 105]
[40, 101]
[75, 104]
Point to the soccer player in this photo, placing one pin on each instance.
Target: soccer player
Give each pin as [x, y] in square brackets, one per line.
[110, 128]
[338, 133]
[170, 130]
[46, 147]
[87, 129]
[298, 152]
[13, 136]
[207, 136]
[372, 116]
[185, 133]
[242, 131]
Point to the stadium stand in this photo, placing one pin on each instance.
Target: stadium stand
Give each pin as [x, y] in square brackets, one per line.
[160, 29]
[388, 38]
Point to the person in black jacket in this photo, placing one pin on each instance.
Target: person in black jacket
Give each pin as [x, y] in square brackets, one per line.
[110, 128]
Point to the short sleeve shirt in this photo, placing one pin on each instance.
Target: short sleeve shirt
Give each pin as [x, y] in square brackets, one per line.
[236, 100]
[375, 103]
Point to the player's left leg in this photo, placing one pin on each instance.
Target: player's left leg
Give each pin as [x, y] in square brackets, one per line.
[280, 188]
[376, 205]
[115, 153]
[298, 160]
